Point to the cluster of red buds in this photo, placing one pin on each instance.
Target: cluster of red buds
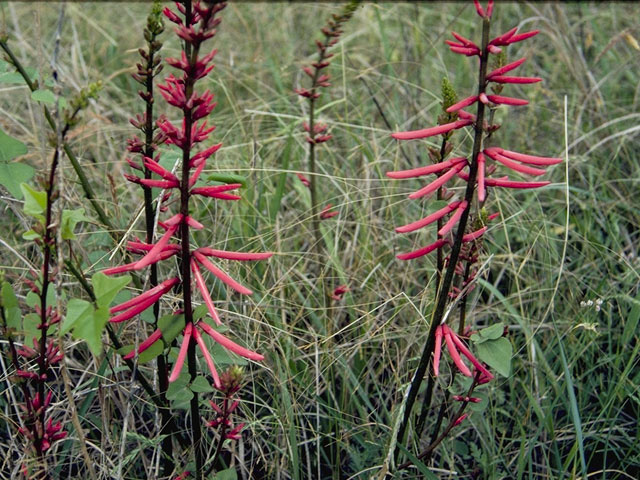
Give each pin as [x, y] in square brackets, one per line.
[41, 435]
[230, 384]
[198, 25]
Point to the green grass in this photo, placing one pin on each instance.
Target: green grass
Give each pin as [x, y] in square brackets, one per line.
[569, 408]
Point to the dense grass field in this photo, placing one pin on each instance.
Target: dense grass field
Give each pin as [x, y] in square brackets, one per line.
[559, 267]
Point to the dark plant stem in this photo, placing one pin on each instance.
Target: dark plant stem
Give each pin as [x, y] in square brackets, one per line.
[426, 453]
[185, 258]
[443, 293]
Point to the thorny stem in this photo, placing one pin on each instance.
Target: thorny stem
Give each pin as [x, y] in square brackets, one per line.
[443, 293]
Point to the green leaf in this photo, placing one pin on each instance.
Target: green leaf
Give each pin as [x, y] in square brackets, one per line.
[33, 298]
[77, 309]
[179, 394]
[171, 326]
[490, 333]
[228, 474]
[228, 178]
[30, 328]
[90, 329]
[200, 384]
[10, 147]
[35, 201]
[44, 96]
[13, 174]
[497, 354]
[106, 288]
[149, 354]
[12, 312]
[70, 219]
[31, 235]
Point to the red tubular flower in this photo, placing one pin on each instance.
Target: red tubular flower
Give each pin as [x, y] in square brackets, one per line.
[417, 172]
[204, 291]
[229, 345]
[513, 165]
[326, 212]
[433, 131]
[182, 354]
[462, 104]
[207, 357]
[460, 419]
[423, 251]
[436, 351]
[411, 227]
[153, 338]
[501, 100]
[520, 80]
[521, 157]
[218, 191]
[439, 182]
[454, 218]
[222, 276]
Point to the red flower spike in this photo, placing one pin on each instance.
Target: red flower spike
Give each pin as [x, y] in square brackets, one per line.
[530, 159]
[423, 251]
[135, 310]
[454, 218]
[481, 166]
[430, 132]
[462, 104]
[479, 10]
[153, 338]
[230, 345]
[440, 181]
[411, 227]
[204, 291]
[182, 354]
[465, 351]
[417, 172]
[222, 276]
[501, 100]
[207, 357]
[218, 191]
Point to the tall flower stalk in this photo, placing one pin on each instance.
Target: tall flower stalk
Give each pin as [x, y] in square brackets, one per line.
[195, 23]
[317, 132]
[473, 170]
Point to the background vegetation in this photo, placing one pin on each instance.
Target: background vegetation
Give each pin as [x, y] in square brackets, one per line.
[563, 270]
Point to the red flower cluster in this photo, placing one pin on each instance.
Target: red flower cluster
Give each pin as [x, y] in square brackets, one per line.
[180, 93]
[456, 346]
[455, 167]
